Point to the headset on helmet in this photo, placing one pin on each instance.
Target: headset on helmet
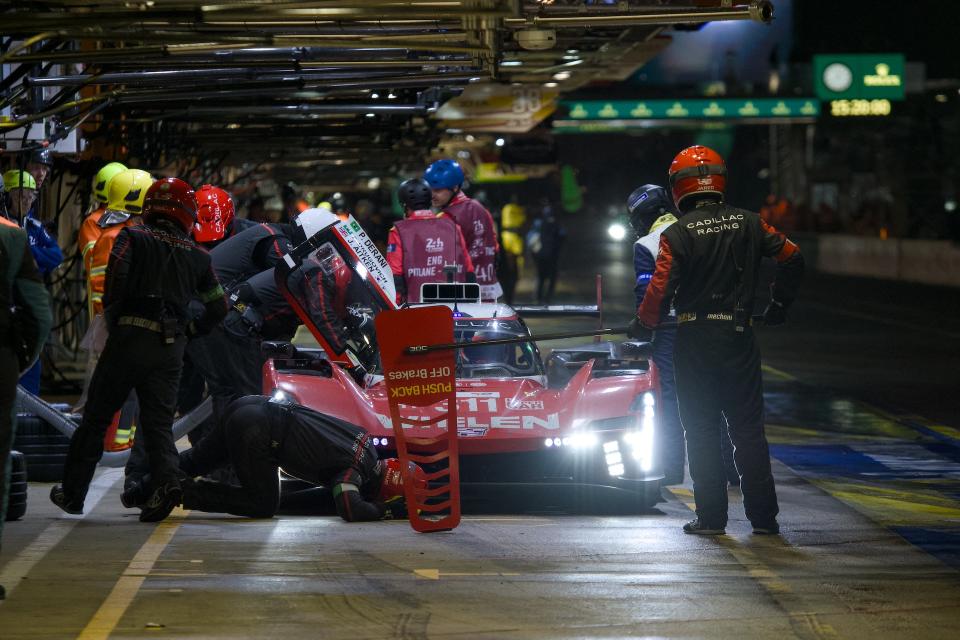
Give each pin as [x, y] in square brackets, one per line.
[415, 194]
[444, 174]
[101, 181]
[697, 170]
[392, 484]
[18, 179]
[173, 199]
[646, 204]
[215, 214]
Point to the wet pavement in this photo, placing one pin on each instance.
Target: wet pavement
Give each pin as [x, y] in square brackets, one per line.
[863, 407]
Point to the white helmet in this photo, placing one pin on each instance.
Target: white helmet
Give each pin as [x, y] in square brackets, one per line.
[312, 221]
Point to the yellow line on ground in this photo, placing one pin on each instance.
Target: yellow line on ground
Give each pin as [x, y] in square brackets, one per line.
[766, 577]
[783, 375]
[108, 616]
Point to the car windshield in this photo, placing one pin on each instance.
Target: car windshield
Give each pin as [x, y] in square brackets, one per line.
[496, 360]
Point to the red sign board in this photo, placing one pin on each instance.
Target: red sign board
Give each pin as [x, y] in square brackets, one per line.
[417, 381]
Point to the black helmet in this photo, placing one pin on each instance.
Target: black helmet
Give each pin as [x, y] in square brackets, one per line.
[415, 194]
[646, 204]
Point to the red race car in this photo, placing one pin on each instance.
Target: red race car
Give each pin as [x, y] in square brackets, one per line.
[575, 433]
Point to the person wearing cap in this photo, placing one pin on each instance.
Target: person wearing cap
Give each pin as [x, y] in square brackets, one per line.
[155, 269]
[21, 195]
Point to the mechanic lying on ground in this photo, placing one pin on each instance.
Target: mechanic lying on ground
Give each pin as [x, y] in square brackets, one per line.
[259, 434]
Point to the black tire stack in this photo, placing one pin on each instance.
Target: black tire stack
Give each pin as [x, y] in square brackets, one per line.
[44, 448]
[17, 506]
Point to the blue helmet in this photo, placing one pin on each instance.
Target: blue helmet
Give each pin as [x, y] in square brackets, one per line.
[646, 204]
[444, 174]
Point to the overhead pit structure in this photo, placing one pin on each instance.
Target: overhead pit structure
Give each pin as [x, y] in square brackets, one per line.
[342, 88]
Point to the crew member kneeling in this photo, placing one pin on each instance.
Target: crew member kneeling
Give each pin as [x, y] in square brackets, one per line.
[260, 435]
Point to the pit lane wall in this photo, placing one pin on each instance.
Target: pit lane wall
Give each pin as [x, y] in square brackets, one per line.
[934, 262]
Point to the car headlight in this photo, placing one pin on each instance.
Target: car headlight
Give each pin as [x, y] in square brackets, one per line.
[641, 439]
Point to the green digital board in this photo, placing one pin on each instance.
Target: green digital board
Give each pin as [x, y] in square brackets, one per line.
[698, 109]
[859, 76]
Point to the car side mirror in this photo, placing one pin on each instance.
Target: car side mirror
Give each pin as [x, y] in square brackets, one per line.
[269, 349]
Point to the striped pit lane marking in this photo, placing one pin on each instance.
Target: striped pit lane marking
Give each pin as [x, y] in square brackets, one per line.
[108, 616]
[805, 622]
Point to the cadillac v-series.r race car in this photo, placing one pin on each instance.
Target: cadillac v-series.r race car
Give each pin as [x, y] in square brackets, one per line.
[576, 433]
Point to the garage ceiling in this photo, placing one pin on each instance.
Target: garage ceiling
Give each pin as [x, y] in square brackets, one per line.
[331, 88]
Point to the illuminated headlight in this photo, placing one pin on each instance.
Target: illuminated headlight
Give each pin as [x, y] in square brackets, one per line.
[575, 441]
[279, 395]
[641, 440]
[381, 442]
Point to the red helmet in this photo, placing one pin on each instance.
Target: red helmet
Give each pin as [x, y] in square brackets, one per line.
[214, 214]
[173, 199]
[697, 170]
[392, 485]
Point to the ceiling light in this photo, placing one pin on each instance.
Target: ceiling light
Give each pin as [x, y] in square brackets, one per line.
[573, 51]
[391, 96]
[374, 95]
[500, 142]
[550, 85]
[470, 138]
[511, 63]
[571, 57]
[940, 97]
[561, 75]
[370, 115]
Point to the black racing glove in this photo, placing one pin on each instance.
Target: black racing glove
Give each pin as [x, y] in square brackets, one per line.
[775, 314]
[637, 331]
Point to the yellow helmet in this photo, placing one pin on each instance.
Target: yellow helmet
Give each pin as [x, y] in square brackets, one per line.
[127, 191]
[17, 179]
[101, 182]
[513, 216]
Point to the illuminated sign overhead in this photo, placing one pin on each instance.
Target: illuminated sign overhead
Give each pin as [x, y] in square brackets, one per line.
[694, 109]
[844, 108]
[859, 76]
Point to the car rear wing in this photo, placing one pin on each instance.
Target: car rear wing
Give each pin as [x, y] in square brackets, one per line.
[566, 310]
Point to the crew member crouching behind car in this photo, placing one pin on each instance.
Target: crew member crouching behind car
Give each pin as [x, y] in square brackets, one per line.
[260, 435]
[421, 246]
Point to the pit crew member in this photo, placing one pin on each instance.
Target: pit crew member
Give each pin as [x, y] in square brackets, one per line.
[707, 268]
[260, 435]
[651, 211]
[422, 245]
[154, 271]
[446, 179]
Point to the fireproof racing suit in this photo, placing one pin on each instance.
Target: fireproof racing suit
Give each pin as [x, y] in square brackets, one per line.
[258, 436]
[707, 267]
[225, 361]
[481, 238]
[418, 249]
[153, 273]
[671, 445]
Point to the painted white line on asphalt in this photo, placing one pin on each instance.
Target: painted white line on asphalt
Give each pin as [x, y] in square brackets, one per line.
[20, 566]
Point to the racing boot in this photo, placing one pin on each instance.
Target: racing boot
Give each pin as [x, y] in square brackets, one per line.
[135, 494]
[59, 498]
[162, 502]
[767, 528]
[701, 528]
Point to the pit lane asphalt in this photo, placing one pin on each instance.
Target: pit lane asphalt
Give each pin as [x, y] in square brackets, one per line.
[862, 417]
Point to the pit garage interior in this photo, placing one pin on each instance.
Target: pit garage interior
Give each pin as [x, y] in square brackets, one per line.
[860, 388]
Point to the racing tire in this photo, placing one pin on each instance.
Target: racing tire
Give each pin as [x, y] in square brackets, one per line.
[44, 448]
[17, 504]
